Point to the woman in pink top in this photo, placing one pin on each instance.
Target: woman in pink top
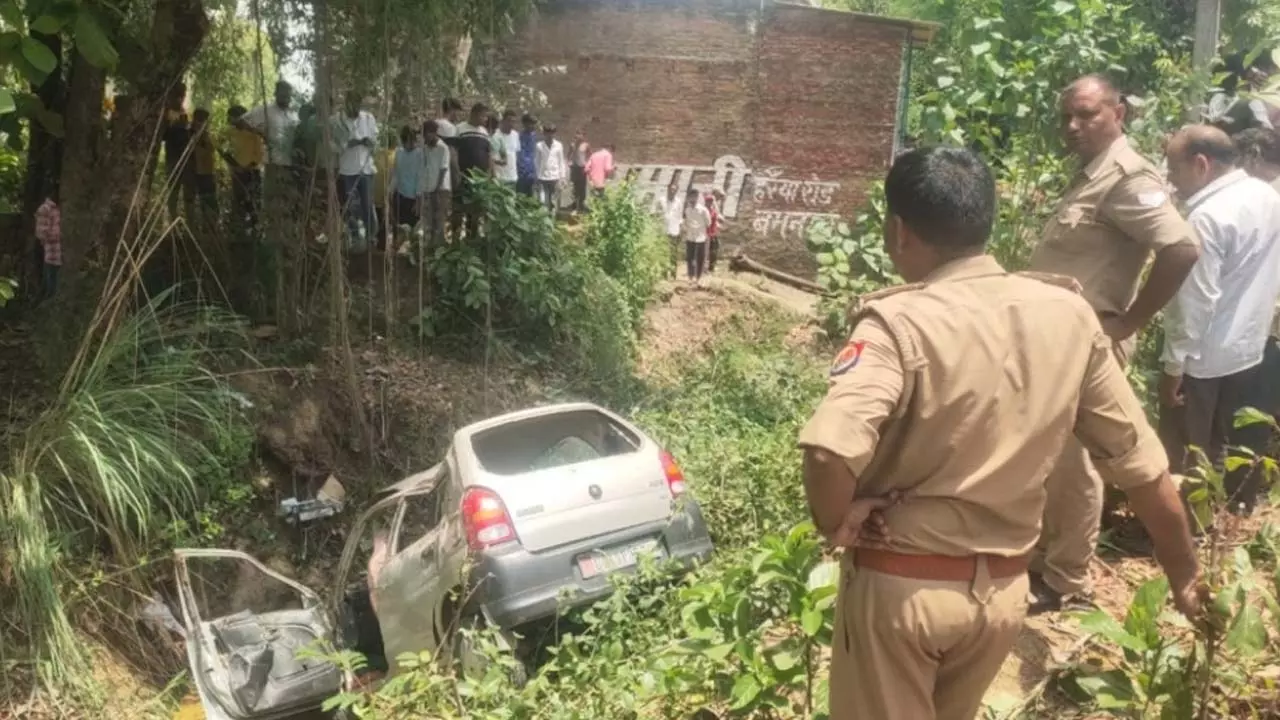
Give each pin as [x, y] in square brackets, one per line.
[599, 170]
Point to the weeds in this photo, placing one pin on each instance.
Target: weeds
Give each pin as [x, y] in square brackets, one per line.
[1172, 670]
[116, 459]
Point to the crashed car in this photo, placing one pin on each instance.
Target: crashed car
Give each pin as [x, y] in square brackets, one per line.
[528, 515]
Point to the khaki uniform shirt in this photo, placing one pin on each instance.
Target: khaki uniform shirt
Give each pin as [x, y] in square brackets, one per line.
[1114, 216]
[962, 391]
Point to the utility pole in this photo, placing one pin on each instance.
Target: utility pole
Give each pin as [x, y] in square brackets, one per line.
[1208, 19]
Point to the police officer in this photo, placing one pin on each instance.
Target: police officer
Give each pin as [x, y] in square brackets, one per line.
[1114, 217]
[944, 413]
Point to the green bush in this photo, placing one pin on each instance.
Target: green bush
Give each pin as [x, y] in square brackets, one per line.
[529, 283]
[626, 242]
[732, 423]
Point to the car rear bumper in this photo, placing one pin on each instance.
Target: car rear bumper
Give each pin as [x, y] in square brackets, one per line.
[514, 586]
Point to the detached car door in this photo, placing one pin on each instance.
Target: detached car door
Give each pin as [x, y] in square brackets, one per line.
[251, 633]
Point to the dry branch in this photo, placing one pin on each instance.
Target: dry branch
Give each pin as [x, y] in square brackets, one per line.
[741, 263]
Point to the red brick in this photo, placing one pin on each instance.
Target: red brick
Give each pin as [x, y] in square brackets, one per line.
[810, 92]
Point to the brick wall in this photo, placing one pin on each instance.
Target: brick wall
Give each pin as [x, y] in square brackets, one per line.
[805, 99]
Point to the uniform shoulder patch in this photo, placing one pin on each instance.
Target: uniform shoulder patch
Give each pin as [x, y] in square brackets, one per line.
[848, 357]
[1152, 198]
[1063, 281]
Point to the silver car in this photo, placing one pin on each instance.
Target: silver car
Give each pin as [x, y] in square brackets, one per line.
[528, 514]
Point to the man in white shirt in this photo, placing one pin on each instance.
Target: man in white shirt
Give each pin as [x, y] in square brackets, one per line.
[1217, 326]
[450, 112]
[671, 209]
[1260, 157]
[437, 197]
[355, 136]
[277, 124]
[549, 160]
[507, 160]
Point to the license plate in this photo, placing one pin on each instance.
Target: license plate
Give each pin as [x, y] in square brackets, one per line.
[608, 561]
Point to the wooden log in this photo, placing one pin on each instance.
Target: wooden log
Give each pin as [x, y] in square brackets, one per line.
[741, 263]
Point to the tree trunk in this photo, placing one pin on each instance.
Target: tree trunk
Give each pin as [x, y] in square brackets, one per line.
[80, 186]
[103, 179]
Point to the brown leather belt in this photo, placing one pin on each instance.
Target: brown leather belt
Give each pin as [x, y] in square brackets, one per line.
[943, 568]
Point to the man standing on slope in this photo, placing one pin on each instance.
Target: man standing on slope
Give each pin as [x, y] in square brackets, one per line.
[927, 459]
[1216, 329]
[1113, 218]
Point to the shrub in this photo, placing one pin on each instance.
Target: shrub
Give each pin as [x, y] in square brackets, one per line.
[530, 283]
[627, 244]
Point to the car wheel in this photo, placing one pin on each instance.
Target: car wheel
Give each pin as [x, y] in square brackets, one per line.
[470, 660]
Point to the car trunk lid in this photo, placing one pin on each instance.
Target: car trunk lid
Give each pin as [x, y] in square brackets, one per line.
[570, 503]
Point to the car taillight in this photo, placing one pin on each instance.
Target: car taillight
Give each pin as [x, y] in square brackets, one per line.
[675, 478]
[485, 519]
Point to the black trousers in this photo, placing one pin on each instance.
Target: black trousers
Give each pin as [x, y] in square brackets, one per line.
[578, 175]
[695, 258]
[246, 194]
[1206, 420]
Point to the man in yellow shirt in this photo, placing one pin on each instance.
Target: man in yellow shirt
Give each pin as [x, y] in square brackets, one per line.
[245, 154]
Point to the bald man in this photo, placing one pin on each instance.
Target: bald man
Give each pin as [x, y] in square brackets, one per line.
[1115, 216]
[1217, 327]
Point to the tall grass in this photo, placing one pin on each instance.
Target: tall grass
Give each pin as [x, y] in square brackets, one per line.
[110, 461]
[113, 459]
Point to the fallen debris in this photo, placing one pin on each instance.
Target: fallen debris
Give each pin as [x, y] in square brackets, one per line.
[329, 501]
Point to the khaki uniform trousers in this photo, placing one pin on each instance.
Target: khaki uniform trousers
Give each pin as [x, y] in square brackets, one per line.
[906, 649]
[1074, 497]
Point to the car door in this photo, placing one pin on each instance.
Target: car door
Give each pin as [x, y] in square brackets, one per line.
[251, 637]
[411, 588]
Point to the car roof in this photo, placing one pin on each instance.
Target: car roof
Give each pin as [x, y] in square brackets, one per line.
[526, 414]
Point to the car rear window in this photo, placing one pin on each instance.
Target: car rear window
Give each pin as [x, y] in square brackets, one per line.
[551, 441]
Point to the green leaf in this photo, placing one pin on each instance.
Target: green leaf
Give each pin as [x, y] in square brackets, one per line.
[47, 24]
[1144, 611]
[1099, 622]
[11, 14]
[1252, 416]
[980, 49]
[39, 55]
[1062, 7]
[742, 617]
[92, 42]
[745, 691]
[1111, 689]
[1247, 635]
[6, 102]
[811, 622]
[718, 652]
[945, 81]
[785, 660]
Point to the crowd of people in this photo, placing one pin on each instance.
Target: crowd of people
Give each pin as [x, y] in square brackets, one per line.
[960, 453]
[420, 177]
[694, 221]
